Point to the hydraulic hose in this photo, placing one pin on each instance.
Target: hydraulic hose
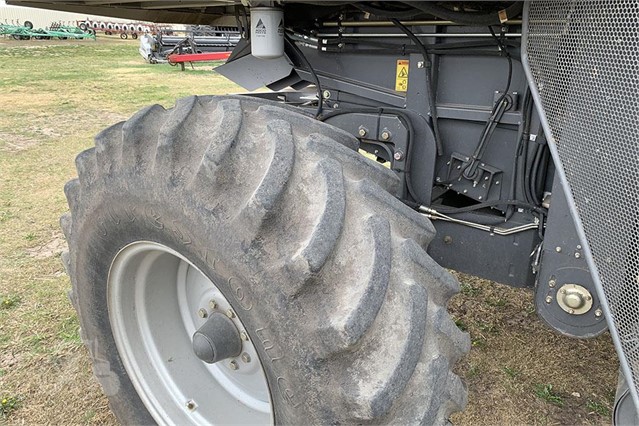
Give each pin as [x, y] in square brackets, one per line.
[467, 18]
[399, 14]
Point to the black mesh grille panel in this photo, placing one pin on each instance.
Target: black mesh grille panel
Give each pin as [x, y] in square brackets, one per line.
[584, 58]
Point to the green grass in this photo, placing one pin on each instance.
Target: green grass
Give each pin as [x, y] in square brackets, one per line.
[545, 392]
[8, 404]
[511, 372]
[598, 407]
[54, 98]
[8, 302]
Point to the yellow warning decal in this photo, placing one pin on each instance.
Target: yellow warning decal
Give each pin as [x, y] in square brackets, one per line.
[401, 76]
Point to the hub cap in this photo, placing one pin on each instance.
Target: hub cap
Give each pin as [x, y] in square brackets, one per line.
[157, 301]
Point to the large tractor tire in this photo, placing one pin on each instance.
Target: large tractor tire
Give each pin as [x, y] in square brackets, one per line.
[234, 261]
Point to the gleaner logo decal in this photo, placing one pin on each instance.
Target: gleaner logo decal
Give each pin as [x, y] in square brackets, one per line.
[260, 28]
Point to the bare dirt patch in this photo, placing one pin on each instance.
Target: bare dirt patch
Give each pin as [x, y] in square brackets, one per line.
[15, 143]
[54, 247]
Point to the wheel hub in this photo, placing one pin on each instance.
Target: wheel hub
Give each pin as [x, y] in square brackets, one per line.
[217, 340]
[186, 352]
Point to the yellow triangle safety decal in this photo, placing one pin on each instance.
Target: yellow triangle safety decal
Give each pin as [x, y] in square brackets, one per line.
[401, 75]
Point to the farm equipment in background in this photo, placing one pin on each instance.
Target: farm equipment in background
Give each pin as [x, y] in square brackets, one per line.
[196, 42]
[55, 31]
[124, 29]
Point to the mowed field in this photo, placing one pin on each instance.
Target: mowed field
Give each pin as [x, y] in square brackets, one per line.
[54, 97]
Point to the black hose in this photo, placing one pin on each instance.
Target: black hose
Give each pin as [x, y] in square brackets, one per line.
[318, 85]
[453, 210]
[540, 176]
[400, 14]
[429, 83]
[470, 170]
[467, 18]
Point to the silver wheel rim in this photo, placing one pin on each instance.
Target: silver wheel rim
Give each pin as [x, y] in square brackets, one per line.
[155, 300]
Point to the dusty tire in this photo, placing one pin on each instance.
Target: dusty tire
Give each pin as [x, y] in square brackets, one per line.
[325, 268]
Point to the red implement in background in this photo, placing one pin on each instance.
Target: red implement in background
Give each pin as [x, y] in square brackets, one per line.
[198, 57]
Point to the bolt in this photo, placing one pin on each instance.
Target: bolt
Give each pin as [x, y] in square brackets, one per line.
[438, 179]
[480, 197]
[362, 131]
[212, 304]
[202, 313]
[497, 182]
[578, 246]
[233, 365]
[190, 405]
[548, 299]
[398, 155]
[577, 255]
[246, 357]
[598, 313]
[465, 191]
[326, 94]
[386, 135]
[552, 283]
[571, 311]
[558, 249]
[243, 335]
[562, 291]
[420, 64]
[589, 298]
[230, 313]
[448, 239]
[335, 105]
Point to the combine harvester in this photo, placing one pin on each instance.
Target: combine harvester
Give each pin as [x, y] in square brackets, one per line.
[201, 43]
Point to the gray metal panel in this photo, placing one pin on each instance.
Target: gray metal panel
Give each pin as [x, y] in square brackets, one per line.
[581, 58]
[563, 262]
[505, 259]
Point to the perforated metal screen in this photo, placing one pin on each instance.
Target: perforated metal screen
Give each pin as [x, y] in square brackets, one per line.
[584, 58]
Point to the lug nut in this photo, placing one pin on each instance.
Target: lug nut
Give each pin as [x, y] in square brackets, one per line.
[246, 357]
[233, 365]
[212, 304]
[190, 405]
[548, 299]
[598, 313]
[552, 283]
[230, 313]
[558, 249]
[362, 132]
[202, 313]
[326, 94]
[244, 335]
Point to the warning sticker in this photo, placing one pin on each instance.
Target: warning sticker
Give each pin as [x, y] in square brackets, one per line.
[401, 76]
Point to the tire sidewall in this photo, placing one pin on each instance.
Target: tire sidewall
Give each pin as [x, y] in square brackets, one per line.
[118, 223]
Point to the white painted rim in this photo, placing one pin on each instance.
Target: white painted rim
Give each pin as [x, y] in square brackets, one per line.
[154, 296]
